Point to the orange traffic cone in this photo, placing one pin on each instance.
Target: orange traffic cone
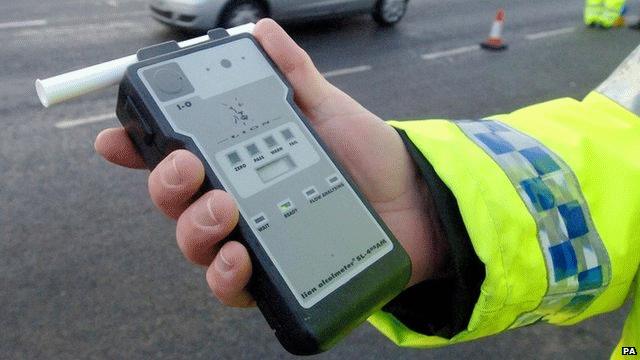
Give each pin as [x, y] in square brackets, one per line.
[494, 41]
[619, 22]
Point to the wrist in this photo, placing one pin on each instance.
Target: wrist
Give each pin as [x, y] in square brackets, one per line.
[431, 262]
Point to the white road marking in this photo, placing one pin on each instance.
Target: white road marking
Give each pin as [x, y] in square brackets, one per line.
[97, 32]
[23, 24]
[550, 33]
[351, 70]
[65, 124]
[450, 52]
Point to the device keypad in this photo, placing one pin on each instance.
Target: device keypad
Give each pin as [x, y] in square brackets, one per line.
[265, 159]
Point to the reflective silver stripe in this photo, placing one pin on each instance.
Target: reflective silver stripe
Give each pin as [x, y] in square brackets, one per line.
[578, 267]
[623, 86]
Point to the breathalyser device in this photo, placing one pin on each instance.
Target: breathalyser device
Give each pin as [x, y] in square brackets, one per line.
[323, 260]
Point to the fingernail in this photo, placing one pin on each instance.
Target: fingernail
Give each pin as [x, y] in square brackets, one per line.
[205, 216]
[171, 175]
[222, 264]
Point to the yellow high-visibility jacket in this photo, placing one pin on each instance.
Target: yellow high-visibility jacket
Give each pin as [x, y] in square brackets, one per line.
[541, 209]
[602, 12]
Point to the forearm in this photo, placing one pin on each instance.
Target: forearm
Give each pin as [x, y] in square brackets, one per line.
[547, 201]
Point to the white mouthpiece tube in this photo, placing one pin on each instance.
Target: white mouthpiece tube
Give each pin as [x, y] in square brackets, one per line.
[69, 85]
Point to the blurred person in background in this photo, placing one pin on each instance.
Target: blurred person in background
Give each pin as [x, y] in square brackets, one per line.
[604, 14]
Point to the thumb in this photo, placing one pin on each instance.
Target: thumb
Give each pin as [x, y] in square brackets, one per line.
[310, 87]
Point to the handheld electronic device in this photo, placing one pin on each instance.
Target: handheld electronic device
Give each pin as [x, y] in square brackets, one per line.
[323, 260]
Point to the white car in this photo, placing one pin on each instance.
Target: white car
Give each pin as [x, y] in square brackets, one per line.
[202, 15]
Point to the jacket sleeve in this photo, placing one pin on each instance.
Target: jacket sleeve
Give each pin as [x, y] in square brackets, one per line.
[540, 208]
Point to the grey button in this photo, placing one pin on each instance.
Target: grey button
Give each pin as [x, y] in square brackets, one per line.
[286, 206]
[234, 158]
[287, 134]
[270, 141]
[334, 179]
[168, 81]
[310, 192]
[252, 149]
[260, 219]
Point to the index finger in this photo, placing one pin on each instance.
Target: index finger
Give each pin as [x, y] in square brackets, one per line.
[116, 147]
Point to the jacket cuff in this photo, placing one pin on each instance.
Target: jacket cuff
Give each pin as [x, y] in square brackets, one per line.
[441, 307]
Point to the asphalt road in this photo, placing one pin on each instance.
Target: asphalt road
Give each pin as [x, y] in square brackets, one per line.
[88, 269]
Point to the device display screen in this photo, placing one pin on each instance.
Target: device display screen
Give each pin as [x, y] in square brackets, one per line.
[275, 168]
[304, 213]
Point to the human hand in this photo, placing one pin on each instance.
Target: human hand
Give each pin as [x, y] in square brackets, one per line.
[369, 149]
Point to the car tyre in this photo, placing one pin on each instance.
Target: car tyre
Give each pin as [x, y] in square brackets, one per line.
[389, 12]
[240, 12]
